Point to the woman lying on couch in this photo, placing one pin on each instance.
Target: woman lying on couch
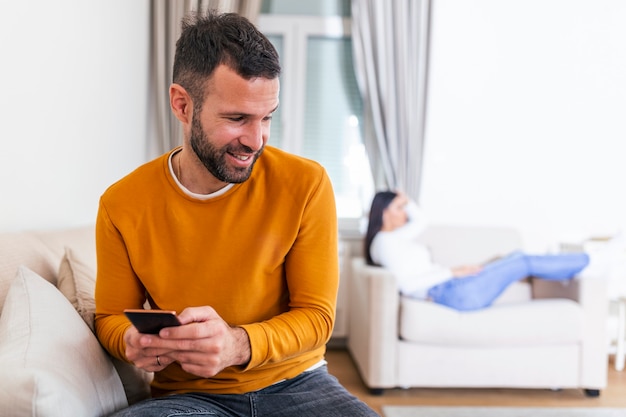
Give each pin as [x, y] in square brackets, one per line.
[391, 242]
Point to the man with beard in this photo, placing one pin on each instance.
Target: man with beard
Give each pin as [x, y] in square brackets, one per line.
[238, 238]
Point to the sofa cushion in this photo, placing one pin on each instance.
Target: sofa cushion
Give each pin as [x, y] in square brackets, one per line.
[24, 249]
[77, 282]
[538, 322]
[81, 239]
[517, 292]
[41, 251]
[52, 364]
[454, 245]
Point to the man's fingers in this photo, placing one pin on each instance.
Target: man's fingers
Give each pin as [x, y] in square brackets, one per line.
[197, 314]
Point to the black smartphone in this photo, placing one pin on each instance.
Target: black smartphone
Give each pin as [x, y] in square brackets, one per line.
[151, 321]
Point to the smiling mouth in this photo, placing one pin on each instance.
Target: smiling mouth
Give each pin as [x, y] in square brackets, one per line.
[241, 157]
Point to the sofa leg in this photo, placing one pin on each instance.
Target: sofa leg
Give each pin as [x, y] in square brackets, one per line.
[592, 393]
[376, 391]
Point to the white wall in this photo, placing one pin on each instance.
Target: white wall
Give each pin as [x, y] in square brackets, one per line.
[73, 106]
[526, 121]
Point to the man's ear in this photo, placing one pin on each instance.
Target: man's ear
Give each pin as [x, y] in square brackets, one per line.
[181, 103]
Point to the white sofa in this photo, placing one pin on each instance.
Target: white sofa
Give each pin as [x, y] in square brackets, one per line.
[52, 364]
[538, 334]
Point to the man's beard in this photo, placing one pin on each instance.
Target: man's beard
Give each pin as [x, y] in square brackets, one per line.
[214, 159]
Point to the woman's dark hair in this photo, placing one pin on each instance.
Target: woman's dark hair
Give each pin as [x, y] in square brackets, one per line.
[381, 201]
[212, 39]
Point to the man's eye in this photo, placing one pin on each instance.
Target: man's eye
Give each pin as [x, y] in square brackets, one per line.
[236, 119]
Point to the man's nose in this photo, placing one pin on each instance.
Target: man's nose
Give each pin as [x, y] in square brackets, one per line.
[254, 136]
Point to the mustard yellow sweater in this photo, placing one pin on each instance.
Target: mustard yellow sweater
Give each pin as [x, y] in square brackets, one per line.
[263, 255]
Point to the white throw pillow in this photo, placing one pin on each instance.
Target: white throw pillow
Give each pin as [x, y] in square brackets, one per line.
[77, 282]
[52, 364]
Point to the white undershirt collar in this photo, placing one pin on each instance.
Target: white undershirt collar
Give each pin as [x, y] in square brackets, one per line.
[190, 193]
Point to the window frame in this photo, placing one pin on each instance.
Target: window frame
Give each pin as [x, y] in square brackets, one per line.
[295, 31]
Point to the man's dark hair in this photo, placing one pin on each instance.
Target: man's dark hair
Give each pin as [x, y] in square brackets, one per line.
[212, 39]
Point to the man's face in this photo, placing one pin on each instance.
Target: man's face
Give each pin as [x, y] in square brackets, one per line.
[229, 133]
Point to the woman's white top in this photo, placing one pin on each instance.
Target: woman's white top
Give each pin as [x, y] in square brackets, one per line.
[410, 261]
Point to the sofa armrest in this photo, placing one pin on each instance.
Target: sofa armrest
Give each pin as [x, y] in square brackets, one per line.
[374, 308]
[592, 295]
[587, 291]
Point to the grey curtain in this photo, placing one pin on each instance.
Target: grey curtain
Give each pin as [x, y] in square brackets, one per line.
[165, 129]
[390, 46]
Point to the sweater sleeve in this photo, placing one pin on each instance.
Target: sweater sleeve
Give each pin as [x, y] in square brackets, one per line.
[117, 289]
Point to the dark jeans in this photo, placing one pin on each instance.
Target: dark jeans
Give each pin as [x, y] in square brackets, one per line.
[311, 394]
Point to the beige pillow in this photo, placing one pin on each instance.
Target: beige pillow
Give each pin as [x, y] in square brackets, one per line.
[77, 282]
[52, 364]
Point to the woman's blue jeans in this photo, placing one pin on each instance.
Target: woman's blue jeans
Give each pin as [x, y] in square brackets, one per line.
[311, 394]
[480, 290]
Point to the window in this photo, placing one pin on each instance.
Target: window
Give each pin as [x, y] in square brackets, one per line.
[321, 109]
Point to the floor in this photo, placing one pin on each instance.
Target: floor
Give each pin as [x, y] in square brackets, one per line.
[340, 364]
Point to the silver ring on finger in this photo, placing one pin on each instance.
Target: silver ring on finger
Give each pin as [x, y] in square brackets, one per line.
[158, 361]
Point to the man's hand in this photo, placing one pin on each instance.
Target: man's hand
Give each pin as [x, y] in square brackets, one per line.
[203, 345]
